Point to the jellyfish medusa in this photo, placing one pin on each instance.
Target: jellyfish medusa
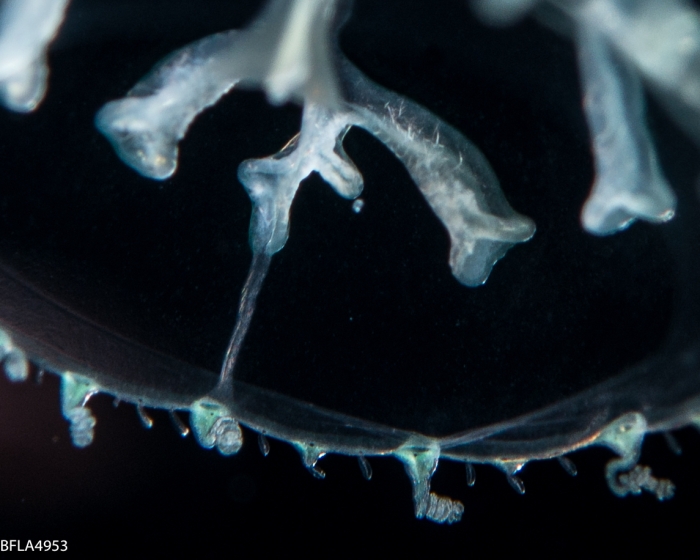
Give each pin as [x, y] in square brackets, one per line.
[73, 318]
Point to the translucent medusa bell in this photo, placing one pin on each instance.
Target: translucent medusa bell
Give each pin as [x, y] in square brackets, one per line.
[362, 327]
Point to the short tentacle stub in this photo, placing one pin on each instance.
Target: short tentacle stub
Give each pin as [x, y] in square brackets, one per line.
[291, 53]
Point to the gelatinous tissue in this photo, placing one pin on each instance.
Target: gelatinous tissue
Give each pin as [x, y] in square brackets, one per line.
[26, 29]
[291, 52]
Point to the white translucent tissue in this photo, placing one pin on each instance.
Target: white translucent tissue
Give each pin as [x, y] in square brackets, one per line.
[26, 29]
[454, 177]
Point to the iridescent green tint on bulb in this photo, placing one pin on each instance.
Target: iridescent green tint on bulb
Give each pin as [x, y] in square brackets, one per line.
[292, 51]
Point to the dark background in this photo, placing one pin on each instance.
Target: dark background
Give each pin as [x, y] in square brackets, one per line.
[359, 314]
